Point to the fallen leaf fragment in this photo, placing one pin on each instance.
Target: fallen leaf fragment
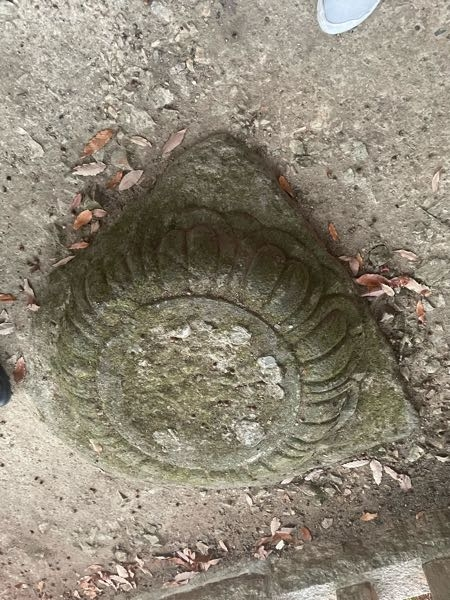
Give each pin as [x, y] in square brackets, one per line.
[76, 201]
[372, 280]
[367, 516]
[95, 226]
[31, 298]
[115, 180]
[274, 525]
[174, 140]
[435, 182]
[20, 370]
[403, 480]
[7, 298]
[356, 464]
[130, 179]
[354, 262]
[122, 572]
[420, 312]
[185, 577]
[140, 141]
[82, 219]
[407, 254]
[377, 470]
[202, 548]
[387, 290]
[249, 499]
[223, 545]
[285, 186]
[89, 169]
[63, 261]
[410, 284]
[100, 139]
[305, 534]
[99, 213]
[333, 232]
[79, 246]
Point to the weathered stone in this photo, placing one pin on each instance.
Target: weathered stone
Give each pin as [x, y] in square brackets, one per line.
[207, 338]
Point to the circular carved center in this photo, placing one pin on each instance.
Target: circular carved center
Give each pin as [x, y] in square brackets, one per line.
[199, 383]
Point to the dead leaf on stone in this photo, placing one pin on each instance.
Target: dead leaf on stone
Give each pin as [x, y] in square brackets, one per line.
[285, 186]
[7, 298]
[100, 139]
[435, 182]
[185, 576]
[274, 525]
[367, 516]
[356, 464]
[20, 370]
[333, 232]
[249, 499]
[305, 534]
[122, 572]
[420, 312]
[407, 254]
[405, 281]
[130, 179]
[374, 294]
[76, 201]
[31, 298]
[174, 140]
[372, 280]
[354, 262]
[115, 180]
[140, 141]
[89, 169]
[82, 219]
[95, 226]
[202, 548]
[377, 471]
[99, 213]
[79, 246]
[387, 290]
[223, 545]
[403, 480]
[63, 261]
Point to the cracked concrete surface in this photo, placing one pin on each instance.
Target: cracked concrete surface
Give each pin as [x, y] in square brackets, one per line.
[357, 123]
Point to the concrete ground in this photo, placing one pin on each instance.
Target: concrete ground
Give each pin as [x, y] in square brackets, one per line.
[358, 123]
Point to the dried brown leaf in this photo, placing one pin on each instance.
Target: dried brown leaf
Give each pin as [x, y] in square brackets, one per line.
[79, 246]
[387, 290]
[89, 169]
[411, 284]
[100, 139]
[356, 464]
[76, 201]
[333, 232]
[140, 141]
[185, 576]
[174, 140]
[407, 254]
[82, 219]
[121, 571]
[95, 226]
[374, 294]
[223, 545]
[130, 179]
[249, 499]
[435, 182]
[99, 213]
[354, 263]
[372, 280]
[7, 298]
[377, 471]
[305, 534]
[367, 516]
[63, 261]
[285, 186]
[114, 181]
[202, 548]
[420, 312]
[20, 370]
[274, 525]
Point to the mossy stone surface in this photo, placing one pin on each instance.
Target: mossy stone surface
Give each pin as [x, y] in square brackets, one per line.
[208, 338]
